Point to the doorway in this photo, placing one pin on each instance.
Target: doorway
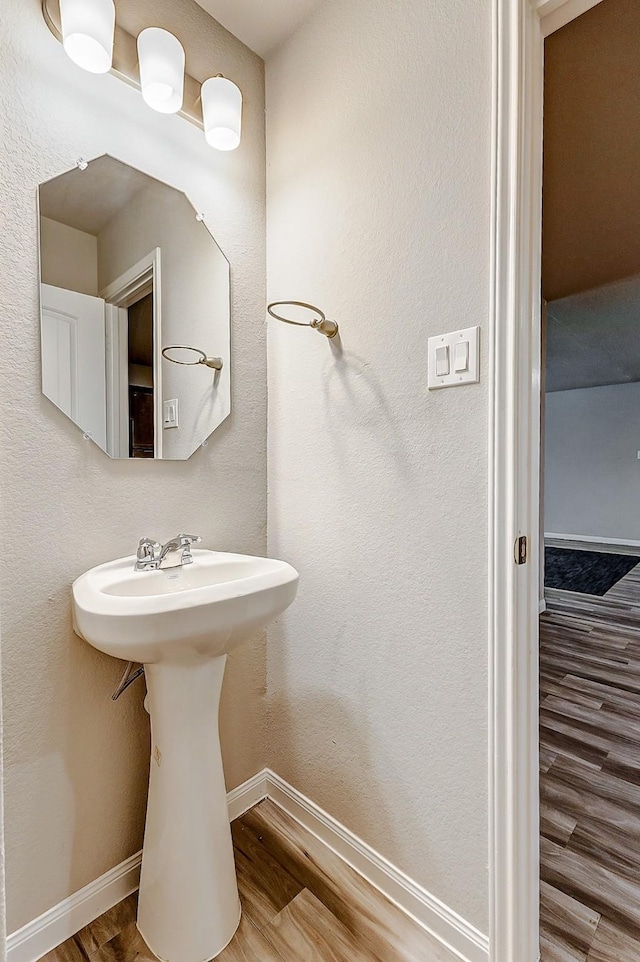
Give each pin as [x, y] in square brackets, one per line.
[141, 377]
[590, 628]
[134, 361]
[515, 557]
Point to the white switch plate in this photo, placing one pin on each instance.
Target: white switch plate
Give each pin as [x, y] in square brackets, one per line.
[170, 413]
[472, 375]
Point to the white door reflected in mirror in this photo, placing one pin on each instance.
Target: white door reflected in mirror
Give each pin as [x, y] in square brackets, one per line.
[73, 357]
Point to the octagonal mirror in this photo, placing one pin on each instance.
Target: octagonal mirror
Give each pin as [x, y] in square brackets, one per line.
[135, 312]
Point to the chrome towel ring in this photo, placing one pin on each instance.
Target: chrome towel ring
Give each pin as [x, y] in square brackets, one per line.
[318, 323]
[213, 362]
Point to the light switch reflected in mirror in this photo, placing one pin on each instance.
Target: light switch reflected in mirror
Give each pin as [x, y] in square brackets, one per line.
[127, 269]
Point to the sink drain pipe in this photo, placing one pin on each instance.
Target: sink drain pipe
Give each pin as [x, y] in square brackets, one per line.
[127, 679]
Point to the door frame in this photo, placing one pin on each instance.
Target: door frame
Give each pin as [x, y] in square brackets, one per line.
[116, 331]
[519, 29]
[143, 278]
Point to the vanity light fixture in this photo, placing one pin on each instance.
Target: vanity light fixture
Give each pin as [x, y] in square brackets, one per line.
[88, 28]
[155, 63]
[161, 62]
[222, 112]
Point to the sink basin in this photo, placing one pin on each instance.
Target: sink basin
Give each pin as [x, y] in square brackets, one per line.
[181, 623]
[180, 614]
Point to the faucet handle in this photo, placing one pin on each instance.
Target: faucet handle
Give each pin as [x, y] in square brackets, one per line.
[185, 541]
[147, 554]
[147, 549]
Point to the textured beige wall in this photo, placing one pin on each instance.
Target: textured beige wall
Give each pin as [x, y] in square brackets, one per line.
[75, 763]
[378, 138]
[68, 257]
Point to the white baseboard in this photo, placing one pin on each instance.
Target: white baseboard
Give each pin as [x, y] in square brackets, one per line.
[57, 925]
[542, 607]
[245, 796]
[591, 539]
[441, 921]
[52, 928]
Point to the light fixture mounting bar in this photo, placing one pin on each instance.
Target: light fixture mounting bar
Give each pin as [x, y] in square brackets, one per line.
[125, 63]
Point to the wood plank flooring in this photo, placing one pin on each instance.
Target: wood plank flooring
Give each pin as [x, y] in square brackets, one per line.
[590, 774]
[300, 903]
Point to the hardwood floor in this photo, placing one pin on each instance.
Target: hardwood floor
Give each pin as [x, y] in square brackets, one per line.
[300, 903]
[590, 774]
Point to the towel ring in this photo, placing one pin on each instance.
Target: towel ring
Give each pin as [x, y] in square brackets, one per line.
[213, 362]
[318, 323]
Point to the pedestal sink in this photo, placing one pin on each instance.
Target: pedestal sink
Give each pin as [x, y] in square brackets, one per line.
[181, 623]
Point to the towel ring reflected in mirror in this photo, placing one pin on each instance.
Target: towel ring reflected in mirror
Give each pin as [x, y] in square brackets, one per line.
[318, 323]
[213, 362]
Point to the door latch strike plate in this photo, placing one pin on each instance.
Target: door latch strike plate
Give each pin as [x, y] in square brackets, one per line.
[521, 550]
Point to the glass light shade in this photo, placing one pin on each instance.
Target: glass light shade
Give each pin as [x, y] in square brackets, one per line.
[161, 60]
[87, 32]
[222, 112]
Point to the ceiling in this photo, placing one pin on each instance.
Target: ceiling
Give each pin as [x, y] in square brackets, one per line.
[591, 223]
[89, 199]
[260, 25]
[593, 338]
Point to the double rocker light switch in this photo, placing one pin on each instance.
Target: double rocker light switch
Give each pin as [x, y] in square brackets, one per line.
[454, 358]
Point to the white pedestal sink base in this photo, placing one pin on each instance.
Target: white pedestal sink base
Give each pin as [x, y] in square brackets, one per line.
[188, 908]
[181, 623]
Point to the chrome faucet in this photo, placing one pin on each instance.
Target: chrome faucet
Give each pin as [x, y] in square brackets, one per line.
[152, 555]
[147, 555]
[178, 551]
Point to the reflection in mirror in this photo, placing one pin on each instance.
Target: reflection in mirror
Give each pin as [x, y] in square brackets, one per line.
[126, 271]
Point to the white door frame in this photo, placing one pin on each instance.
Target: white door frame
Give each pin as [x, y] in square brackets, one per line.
[117, 359]
[519, 30]
[143, 278]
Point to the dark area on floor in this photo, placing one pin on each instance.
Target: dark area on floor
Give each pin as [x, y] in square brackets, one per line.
[586, 572]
